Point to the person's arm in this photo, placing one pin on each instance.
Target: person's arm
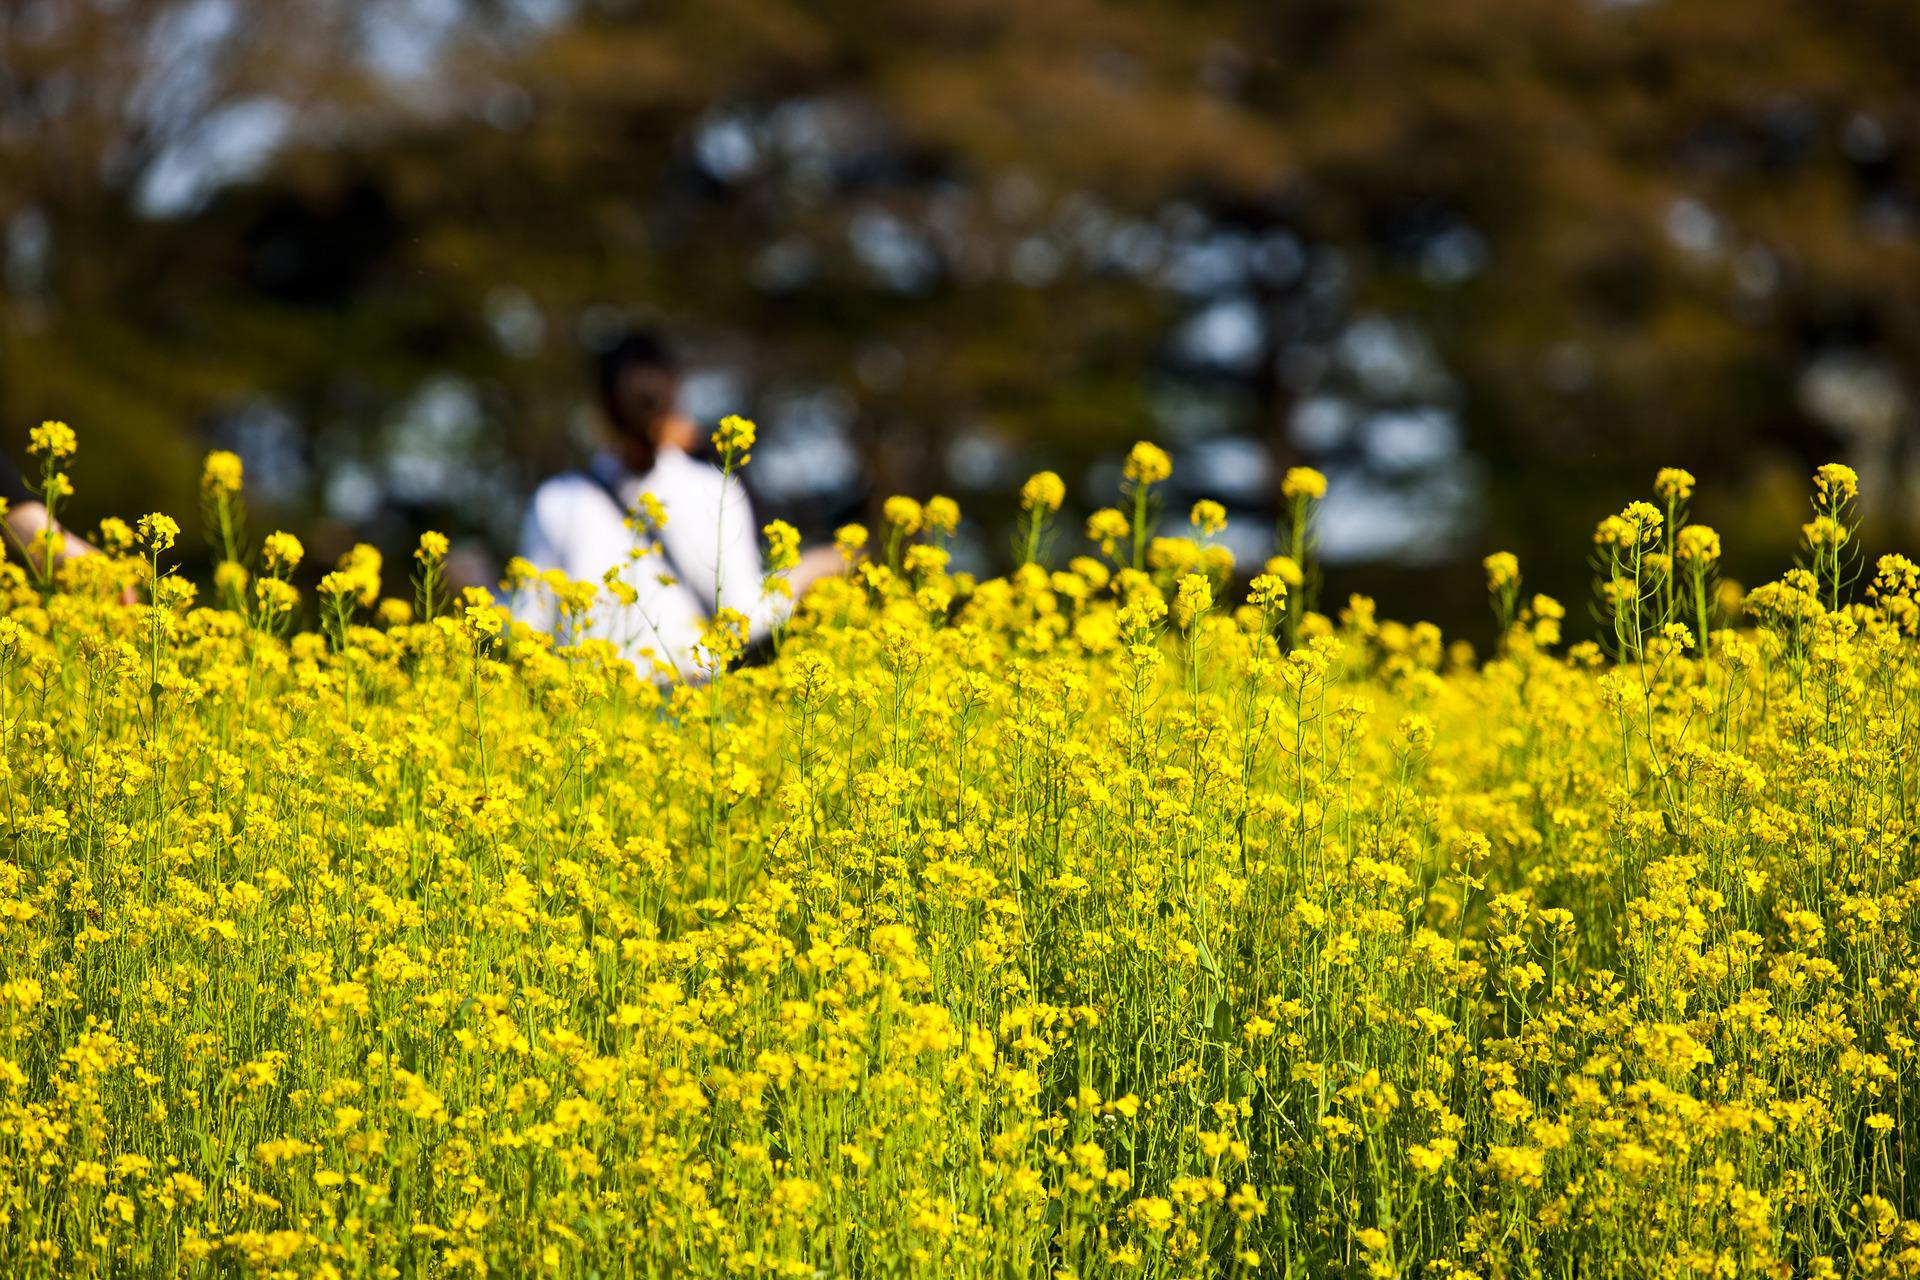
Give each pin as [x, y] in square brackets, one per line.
[815, 563]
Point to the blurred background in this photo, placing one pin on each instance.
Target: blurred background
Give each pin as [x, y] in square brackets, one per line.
[1488, 263]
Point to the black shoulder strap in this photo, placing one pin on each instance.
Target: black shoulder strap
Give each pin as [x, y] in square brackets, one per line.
[606, 486]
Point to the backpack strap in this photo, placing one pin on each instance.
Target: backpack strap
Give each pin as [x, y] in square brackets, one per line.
[610, 489]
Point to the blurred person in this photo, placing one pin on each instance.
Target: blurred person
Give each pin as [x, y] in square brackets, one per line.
[704, 557]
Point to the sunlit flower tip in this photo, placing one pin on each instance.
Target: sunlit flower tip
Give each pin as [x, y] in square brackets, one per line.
[1193, 598]
[783, 546]
[1180, 554]
[230, 577]
[339, 583]
[1106, 526]
[849, 539]
[158, 531]
[54, 440]
[519, 572]
[734, 436]
[1673, 484]
[942, 513]
[1266, 591]
[722, 639]
[648, 513]
[1147, 463]
[276, 595]
[433, 547]
[1824, 533]
[1095, 574]
[1696, 544]
[482, 621]
[926, 559]
[115, 534]
[1895, 575]
[1030, 578]
[1639, 523]
[222, 472]
[904, 514]
[1155, 1213]
[1303, 482]
[1503, 570]
[282, 551]
[1043, 491]
[1287, 569]
[1208, 516]
[1837, 482]
[619, 589]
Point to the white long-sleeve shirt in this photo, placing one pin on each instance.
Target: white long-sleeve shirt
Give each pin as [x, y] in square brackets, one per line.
[574, 525]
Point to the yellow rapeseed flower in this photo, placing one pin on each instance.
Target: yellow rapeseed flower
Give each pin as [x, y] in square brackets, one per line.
[1303, 482]
[282, 552]
[1147, 464]
[1673, 484]
[55, 441]
[904, 514]
[1043, 491]
[222, 472]
[733, 439]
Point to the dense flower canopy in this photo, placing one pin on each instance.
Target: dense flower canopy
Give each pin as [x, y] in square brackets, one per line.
[1080, 922]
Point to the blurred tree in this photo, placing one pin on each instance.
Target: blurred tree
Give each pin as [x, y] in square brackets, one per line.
[115, 120]
[1547, 244]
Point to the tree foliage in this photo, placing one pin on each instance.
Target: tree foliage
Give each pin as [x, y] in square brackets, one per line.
[1621, 233]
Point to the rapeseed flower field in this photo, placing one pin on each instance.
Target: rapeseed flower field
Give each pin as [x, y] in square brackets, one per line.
[1097, 920]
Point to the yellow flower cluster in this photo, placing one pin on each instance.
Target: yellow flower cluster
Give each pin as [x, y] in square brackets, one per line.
[733, 439]
[222, 472]
[1044, 490]
[1085, 921]
[53, 440]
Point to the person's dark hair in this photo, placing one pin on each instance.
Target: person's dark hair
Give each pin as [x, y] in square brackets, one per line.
[637, 379]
